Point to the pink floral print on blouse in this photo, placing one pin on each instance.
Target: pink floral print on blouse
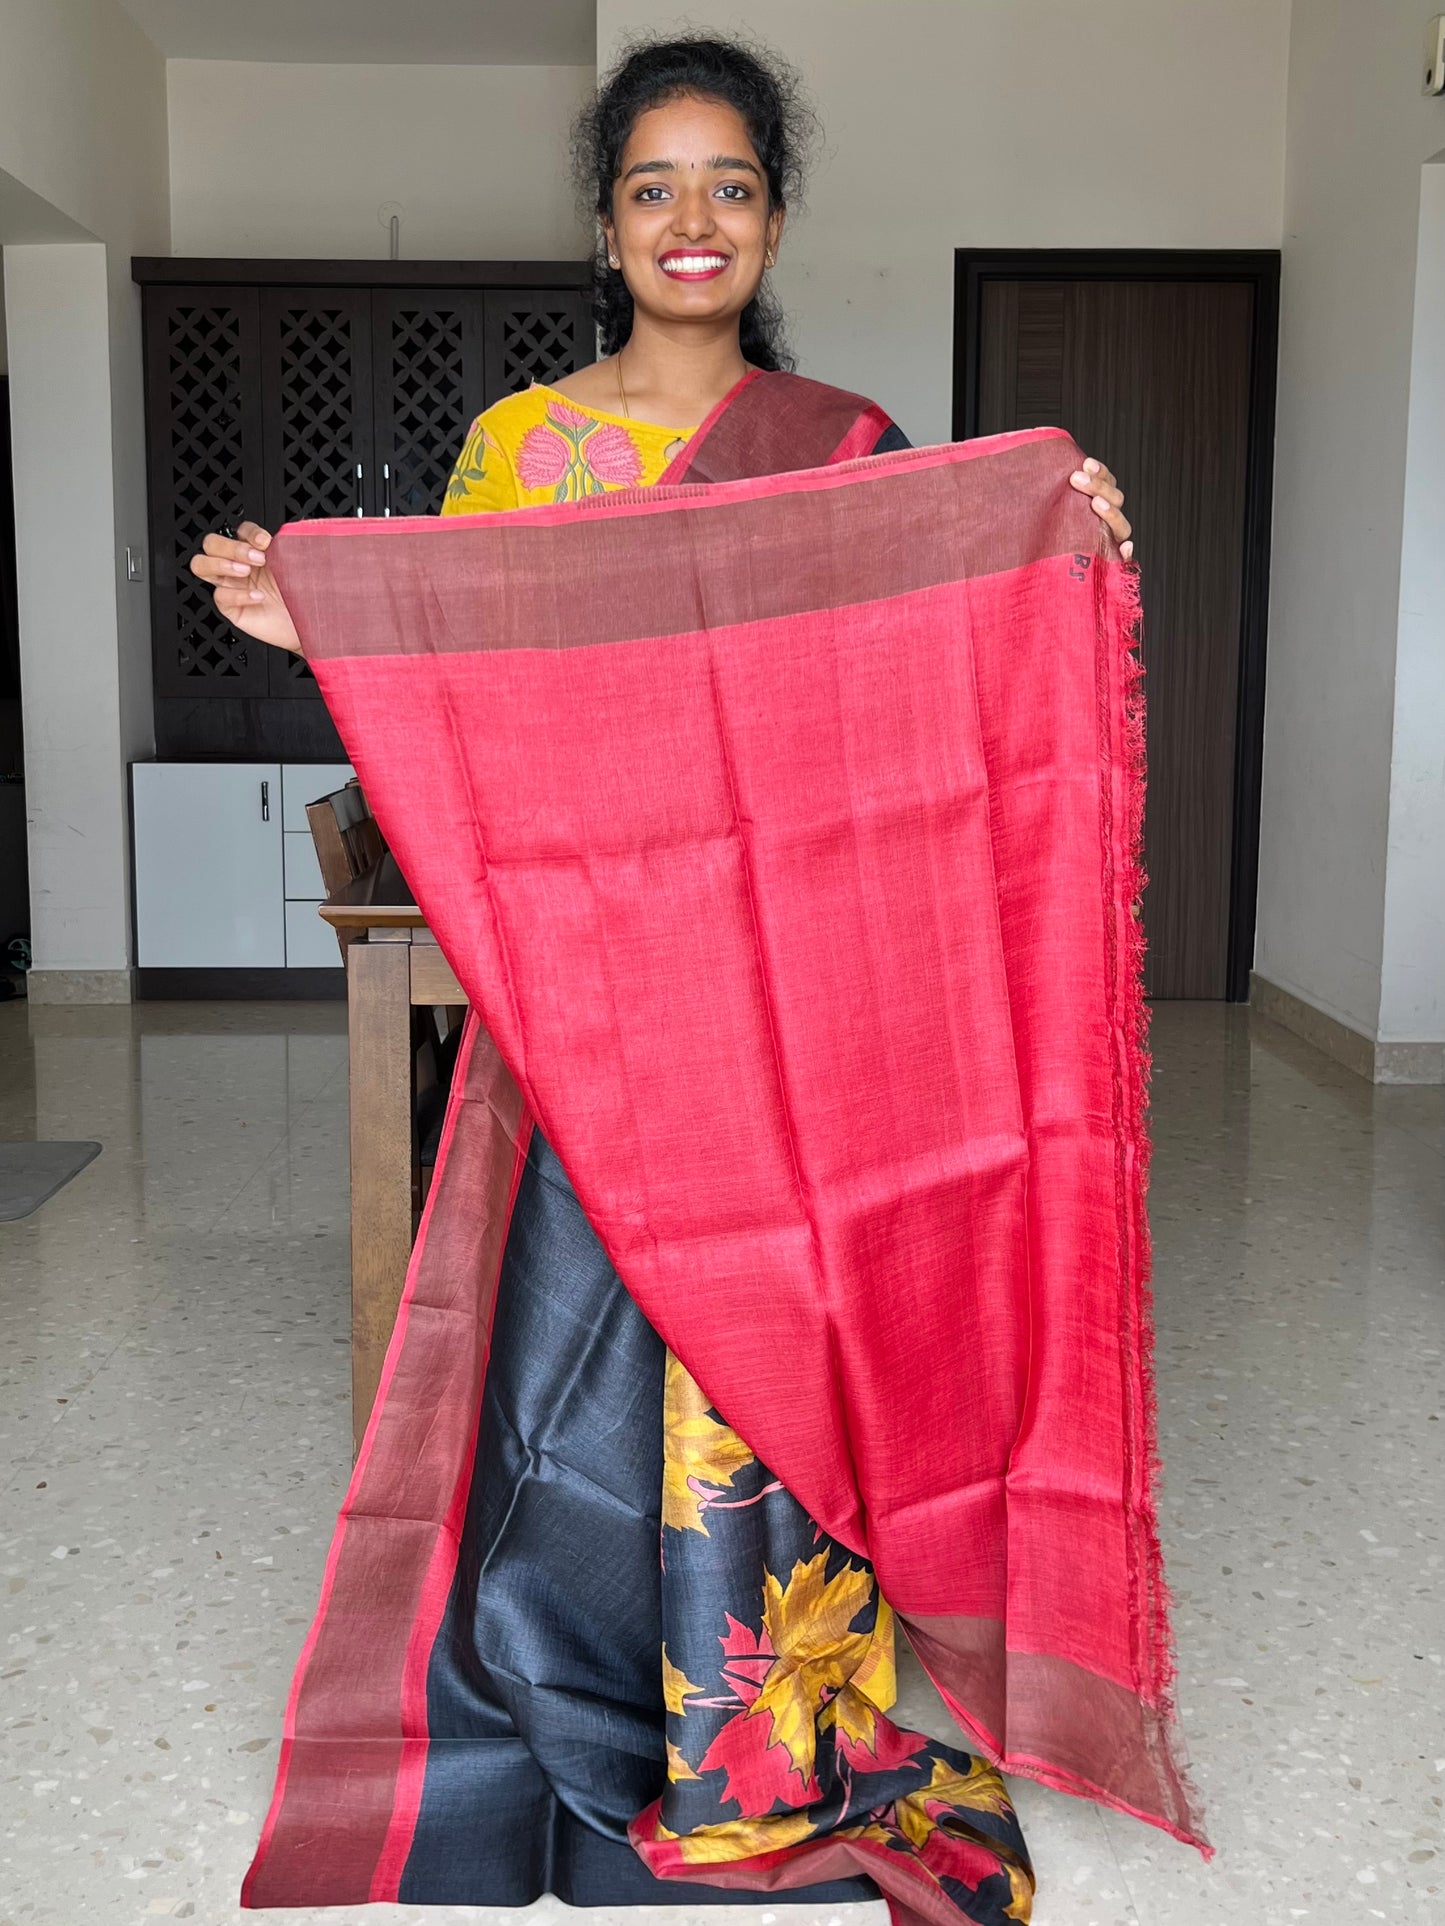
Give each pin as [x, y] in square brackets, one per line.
[574, 454]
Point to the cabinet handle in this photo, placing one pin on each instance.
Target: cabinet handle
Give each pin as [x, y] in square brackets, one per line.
[386, 480]
[360, 507]
[265, 802]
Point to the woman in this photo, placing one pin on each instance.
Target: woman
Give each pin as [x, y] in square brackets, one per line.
[603, 1705]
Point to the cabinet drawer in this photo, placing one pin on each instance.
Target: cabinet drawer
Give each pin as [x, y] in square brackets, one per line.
[303, 872]
[308, 782]
[310, 943]
[208, 865]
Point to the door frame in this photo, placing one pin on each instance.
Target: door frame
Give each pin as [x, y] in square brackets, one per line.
[1260, 268]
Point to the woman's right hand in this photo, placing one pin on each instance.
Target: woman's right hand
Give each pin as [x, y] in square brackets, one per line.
[245, 590]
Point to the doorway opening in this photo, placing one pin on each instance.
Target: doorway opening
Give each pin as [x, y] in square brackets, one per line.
[1162, 364]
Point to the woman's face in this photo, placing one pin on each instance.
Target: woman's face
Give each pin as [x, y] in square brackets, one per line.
[690, 219]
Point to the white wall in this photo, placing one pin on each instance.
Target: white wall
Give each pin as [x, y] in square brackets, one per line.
[70, 659]
[987, 123]
[296, 160]
[82, 115]
[1358, 134]
[82, 154]
[1412, 987]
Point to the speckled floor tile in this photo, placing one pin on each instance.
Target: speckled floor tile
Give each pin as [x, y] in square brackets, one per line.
[174, 1443]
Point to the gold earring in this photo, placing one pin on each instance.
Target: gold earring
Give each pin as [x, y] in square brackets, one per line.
[767, 260]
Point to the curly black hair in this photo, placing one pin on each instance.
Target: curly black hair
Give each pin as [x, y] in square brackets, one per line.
[767, 94]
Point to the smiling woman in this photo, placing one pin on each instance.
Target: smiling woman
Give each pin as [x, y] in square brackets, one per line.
[673, 180]
[628, 1655]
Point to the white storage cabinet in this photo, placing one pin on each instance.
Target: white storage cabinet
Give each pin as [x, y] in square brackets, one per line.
[225, 870]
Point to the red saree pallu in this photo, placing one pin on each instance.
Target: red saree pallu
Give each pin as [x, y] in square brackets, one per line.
[784, 834]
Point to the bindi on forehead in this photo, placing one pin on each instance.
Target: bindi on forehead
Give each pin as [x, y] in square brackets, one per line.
[716, 164]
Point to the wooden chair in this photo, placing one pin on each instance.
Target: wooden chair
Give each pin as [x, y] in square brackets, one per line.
[348, 842]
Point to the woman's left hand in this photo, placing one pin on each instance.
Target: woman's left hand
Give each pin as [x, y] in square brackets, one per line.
[1095, 480]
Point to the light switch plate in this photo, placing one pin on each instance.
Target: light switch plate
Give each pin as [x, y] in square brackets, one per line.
[1435, 55]
[135, 564]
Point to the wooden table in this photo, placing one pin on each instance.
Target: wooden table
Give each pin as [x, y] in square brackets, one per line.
[392, 964]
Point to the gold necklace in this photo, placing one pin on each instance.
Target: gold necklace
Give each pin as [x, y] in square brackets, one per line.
[617, 363]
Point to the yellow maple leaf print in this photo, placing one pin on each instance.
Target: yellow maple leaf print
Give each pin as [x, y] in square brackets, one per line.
[744, 1838]
[1020, 1882]
[1021, 1895]
[807, 1621]
[695, 1445]
[877, 1677]
[981, 1789]
[872, 1689]
[675, 1685]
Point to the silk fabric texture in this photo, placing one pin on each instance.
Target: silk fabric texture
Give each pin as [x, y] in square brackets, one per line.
[784, 835]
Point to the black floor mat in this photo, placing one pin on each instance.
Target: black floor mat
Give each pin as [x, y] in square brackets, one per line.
[29, 1173]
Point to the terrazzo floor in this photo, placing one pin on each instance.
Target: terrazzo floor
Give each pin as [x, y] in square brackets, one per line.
[175, 1439]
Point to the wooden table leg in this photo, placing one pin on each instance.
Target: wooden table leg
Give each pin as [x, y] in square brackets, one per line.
[378, 983]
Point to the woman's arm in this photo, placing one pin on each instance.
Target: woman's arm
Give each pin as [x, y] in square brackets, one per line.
[246, 592]
[482, 478]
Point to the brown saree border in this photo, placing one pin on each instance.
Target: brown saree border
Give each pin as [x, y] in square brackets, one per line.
[802, 540]
[355, 1734]
[771, 423]
[991, 1689]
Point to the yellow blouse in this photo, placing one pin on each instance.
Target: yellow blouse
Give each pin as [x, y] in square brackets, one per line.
[541, 446]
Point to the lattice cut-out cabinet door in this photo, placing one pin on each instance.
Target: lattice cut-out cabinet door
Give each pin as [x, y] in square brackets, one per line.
[427, 367]
[317, 412]
[205, 464]
[535, 335]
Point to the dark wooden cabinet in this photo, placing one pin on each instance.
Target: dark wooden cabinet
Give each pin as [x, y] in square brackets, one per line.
[317, 420]
[205, 463]
[282, 391]
[429, 374]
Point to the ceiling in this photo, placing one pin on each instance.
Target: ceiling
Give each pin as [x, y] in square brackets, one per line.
[513, 33]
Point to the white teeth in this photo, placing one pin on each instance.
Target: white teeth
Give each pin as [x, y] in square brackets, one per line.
[694, 263]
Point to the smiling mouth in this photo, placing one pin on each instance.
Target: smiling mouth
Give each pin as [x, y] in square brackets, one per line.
[700, 266]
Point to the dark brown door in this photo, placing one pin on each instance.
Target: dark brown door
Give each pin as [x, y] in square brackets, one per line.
[1159, 377]
[317, 403]
[426, 351]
